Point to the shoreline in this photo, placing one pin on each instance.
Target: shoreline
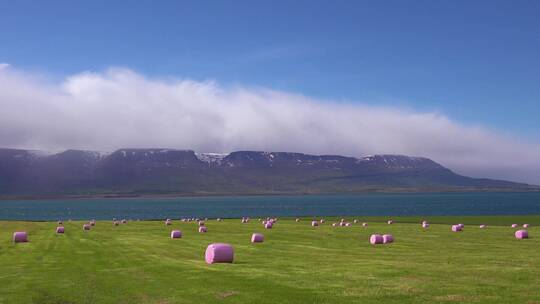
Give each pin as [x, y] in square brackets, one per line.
[243, 194]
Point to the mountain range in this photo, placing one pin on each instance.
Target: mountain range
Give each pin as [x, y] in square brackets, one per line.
[132, 172]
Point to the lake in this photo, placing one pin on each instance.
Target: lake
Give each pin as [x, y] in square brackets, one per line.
[261, 206]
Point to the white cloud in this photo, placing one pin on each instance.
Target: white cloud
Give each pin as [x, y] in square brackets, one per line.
[120, 108]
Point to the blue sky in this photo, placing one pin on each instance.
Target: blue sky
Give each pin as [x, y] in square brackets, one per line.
[475, 61]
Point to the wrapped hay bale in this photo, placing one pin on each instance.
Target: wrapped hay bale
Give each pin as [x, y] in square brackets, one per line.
[176, 234]
[376, 239]
[20, 237]
[219, 253]
[257, 238]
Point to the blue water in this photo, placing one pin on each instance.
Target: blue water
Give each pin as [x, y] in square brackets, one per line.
[259, 206]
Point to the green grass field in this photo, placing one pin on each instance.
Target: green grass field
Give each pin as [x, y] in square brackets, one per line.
[139, 263]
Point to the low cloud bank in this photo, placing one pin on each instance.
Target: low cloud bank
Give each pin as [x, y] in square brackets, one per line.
[121, 108]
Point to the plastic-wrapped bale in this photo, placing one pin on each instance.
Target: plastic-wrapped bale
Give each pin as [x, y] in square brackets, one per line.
[268, 225]
[201, 223]
[390, 222]
[176, 234]
[244, 221]
[376, 239]
[257, 238]
[60, 229]
[322, 221]
[297, 220]
[522, 234]
[219, 253]
[124, 221]
[355, 221]
[364, 224]
[342, 224]
[116, 223]
[20, 237]
[482, 226]
[86, 227]
[219, 220]
[347, 224]
[334, 224]
[168, 222]
[92, 222]
[388, 238]
[514, 225]
[314, 223]
[456, 228]
[425, 225]
[461, 225]
[526, 225]
[202, 229]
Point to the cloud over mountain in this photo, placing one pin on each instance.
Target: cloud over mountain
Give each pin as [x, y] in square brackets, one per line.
[121, 108]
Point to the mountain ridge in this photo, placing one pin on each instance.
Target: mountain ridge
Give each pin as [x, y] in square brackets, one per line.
[147, 171]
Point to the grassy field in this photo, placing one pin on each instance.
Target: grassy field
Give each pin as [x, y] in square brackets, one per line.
[139, 263]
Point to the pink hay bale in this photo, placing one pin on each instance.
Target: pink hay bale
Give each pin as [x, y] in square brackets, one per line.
[425, 225]
[202, 229]
[86, 227]
[314, 223]
[522, 234]
[92, 222]
[461, 225]
[176, 234]
[268, 225]
[364, 224]
[376, 239]
[201, 223]
[482, 226]
[244, 221]
[257, 238]
[390, 222]
[456, 228]
[341, 224]
[124, 221]
[526, 225]
[388, 238]
[347, 224]
[60, 229]
[219, 253]
[514, 225]
[20, 237]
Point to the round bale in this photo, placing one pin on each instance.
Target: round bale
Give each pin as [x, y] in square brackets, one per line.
[176, 234]
[219, 253]
[257, 238]
[376, 239]
[456, 228]
[20, 237]
[388, 238]
[202, 229]
[60, 229]
[522, 234]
